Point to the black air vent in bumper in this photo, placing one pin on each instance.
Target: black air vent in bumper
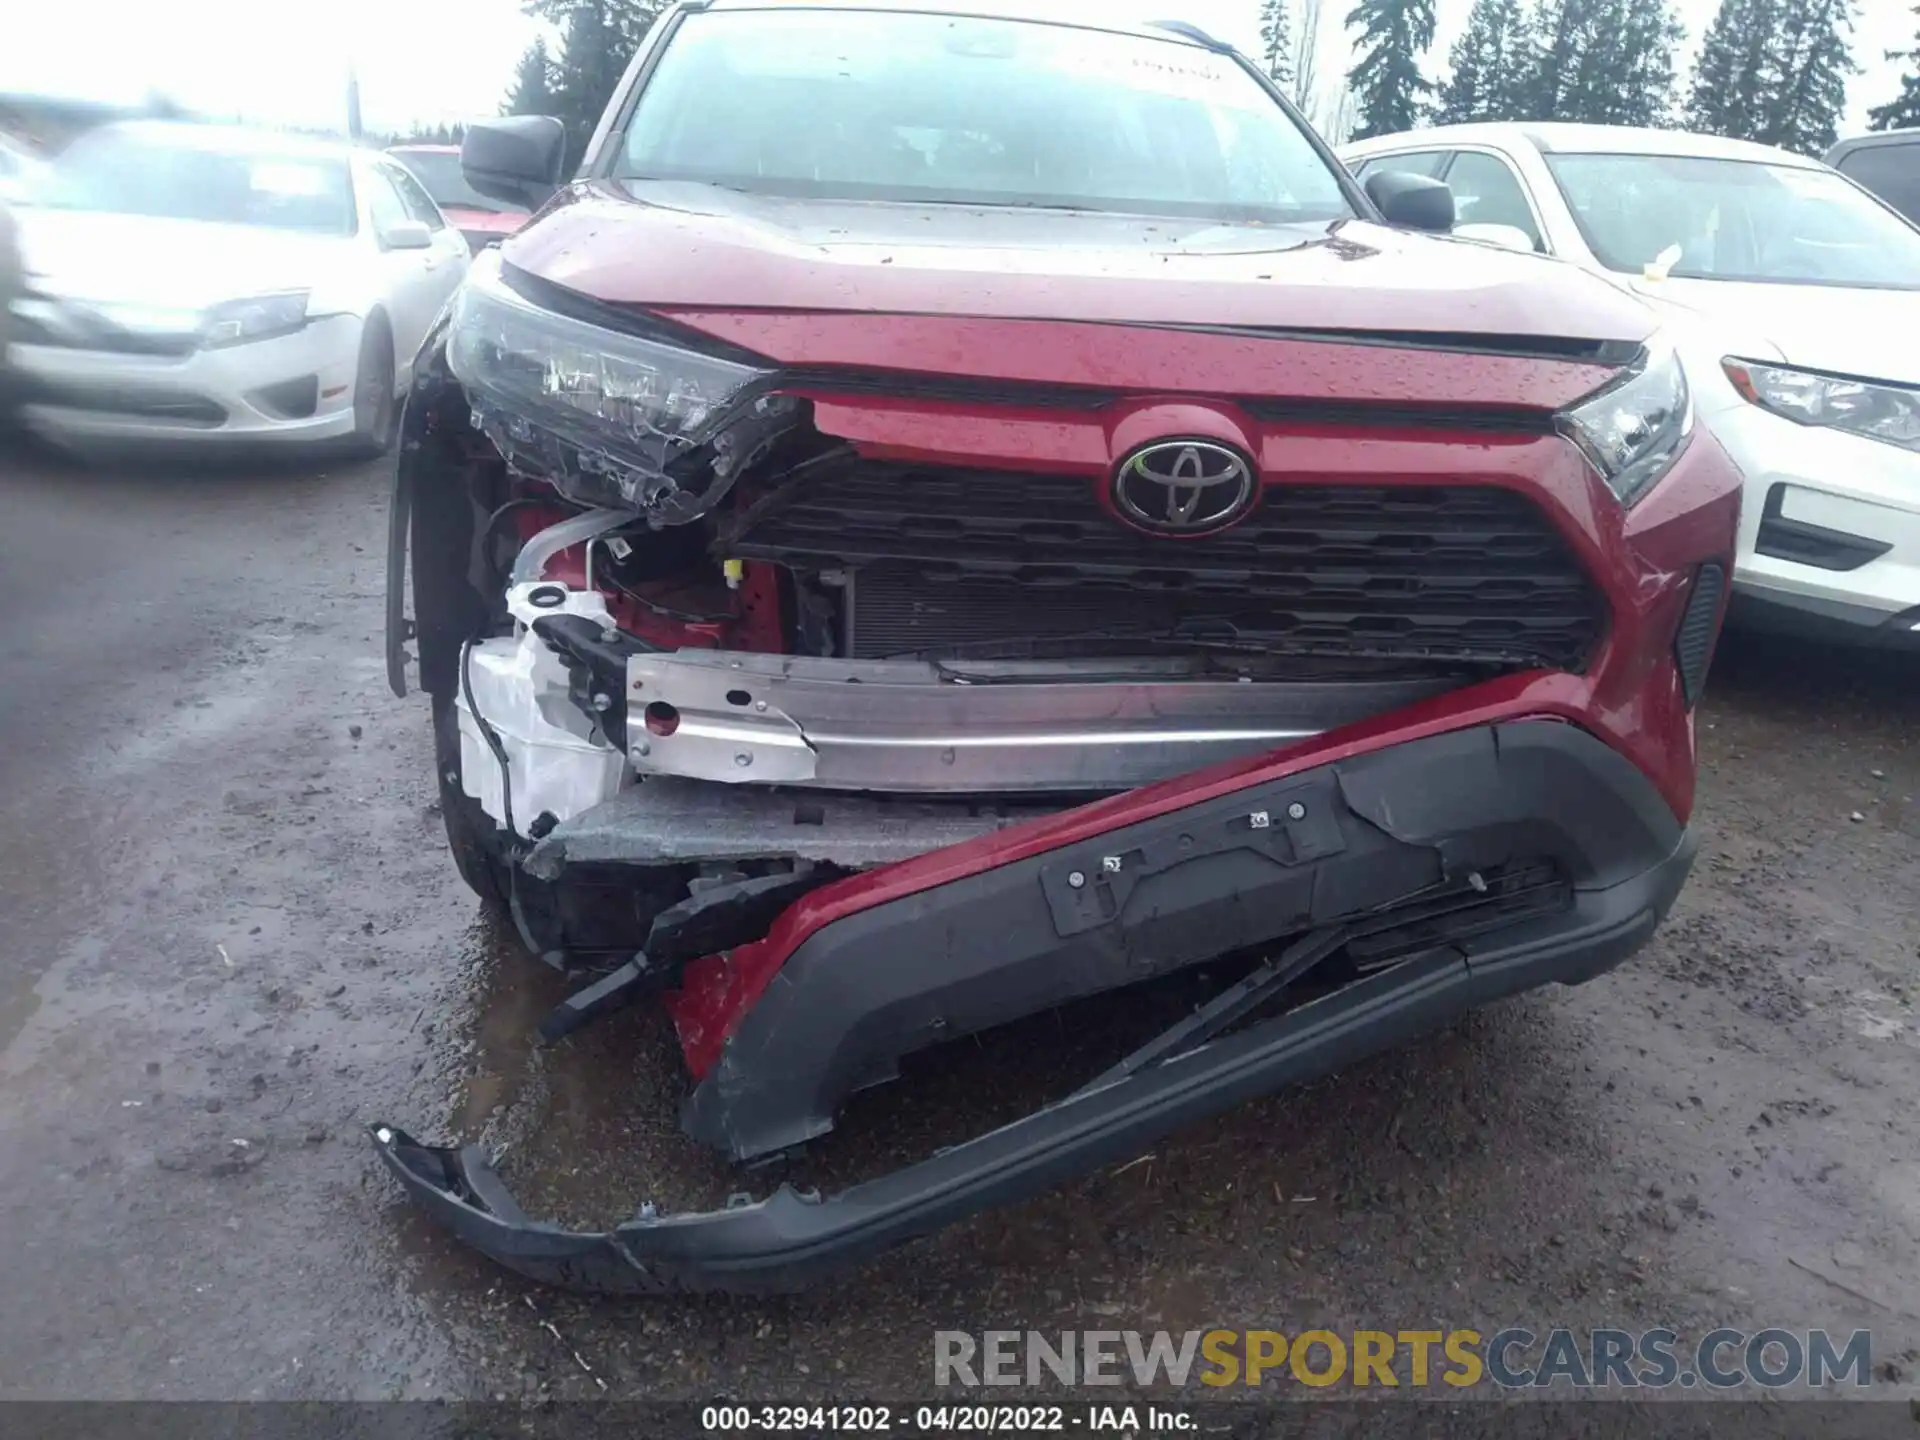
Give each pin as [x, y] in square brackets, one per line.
[1809, 544]
[1699, 627]
[290, 399]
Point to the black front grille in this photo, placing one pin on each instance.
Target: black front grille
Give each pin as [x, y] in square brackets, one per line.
[943, 557]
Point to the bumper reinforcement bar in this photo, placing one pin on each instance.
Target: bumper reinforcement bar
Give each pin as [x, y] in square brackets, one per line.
[906, 727]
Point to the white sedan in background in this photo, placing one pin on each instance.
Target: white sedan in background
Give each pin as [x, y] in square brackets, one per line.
[1795, 298]
[196, 282]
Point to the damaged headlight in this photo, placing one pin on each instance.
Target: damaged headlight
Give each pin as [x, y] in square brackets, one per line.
[1877, 411]
[611, 417]
[1635, 428]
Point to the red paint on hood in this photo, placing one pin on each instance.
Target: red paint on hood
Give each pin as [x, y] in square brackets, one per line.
[696, 246]
[1147, 362]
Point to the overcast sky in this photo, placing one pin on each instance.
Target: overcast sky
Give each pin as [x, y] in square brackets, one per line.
[445, 60]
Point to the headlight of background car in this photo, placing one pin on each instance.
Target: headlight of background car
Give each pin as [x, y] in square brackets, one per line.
[1634, 429]
[259, 317]
[1880, 412]
[610, 417]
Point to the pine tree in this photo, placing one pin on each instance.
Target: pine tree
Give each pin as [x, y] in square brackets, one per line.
[1489, 66]
[532, 92]
[1602, 62]
[1774, 71]
[1388, 86]
[1341, 113]
[1731, 79]
[598, 38]
[1554, 44]
[1306, 56]
[1276, 41]
[1642, 90]
[1903, 111]
[1810, 64]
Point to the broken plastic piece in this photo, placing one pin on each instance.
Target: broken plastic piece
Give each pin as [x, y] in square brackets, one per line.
[605, 995]
[518, 691]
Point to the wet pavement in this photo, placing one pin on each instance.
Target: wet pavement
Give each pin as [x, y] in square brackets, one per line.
[233, 937]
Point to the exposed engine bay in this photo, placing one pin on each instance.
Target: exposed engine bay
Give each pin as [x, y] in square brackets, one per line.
[739, 646]
[952, 642]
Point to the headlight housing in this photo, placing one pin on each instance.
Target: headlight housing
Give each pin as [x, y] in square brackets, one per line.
[611, 417]
[1876, 410]
[258, 317]
[1635, 428]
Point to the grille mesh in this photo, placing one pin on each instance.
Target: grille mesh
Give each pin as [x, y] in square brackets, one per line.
[945, 556]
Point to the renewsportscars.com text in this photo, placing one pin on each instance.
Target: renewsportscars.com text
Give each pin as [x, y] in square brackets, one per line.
[1511, 1358]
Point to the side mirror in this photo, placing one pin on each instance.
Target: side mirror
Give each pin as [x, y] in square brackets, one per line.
[406, 235]
[1507, 237]
[1411, 201]
[516, 159]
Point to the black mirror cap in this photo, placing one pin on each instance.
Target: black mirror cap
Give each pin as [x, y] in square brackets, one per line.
[516, 159]
[1412, 201]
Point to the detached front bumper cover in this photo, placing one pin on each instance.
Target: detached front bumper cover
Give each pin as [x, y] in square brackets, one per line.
[793, 1238]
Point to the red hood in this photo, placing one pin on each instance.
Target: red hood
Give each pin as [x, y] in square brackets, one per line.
[697, 247]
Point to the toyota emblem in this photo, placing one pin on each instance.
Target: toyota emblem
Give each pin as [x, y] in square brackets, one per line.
[1184, 487]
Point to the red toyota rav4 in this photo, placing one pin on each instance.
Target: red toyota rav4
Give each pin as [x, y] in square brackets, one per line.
[949, 515]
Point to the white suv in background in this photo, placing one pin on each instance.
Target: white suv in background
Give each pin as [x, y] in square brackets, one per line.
[1795, 297]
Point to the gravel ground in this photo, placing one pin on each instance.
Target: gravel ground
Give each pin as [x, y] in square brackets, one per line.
[233, 937]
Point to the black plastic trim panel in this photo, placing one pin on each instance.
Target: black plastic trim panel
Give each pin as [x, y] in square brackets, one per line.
[1808, 544]
[1513, 420]
[1699, 628]
[1337, 841]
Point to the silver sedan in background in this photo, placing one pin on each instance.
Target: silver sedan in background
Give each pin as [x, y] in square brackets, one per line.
[204, 283]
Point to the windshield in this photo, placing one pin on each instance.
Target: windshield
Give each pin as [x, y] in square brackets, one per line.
[1736, 220]
[130, 174]
[893, 106]
[439, 172]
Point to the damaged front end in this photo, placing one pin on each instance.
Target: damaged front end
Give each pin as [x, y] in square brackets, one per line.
[1400, 888]
[945, 701]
